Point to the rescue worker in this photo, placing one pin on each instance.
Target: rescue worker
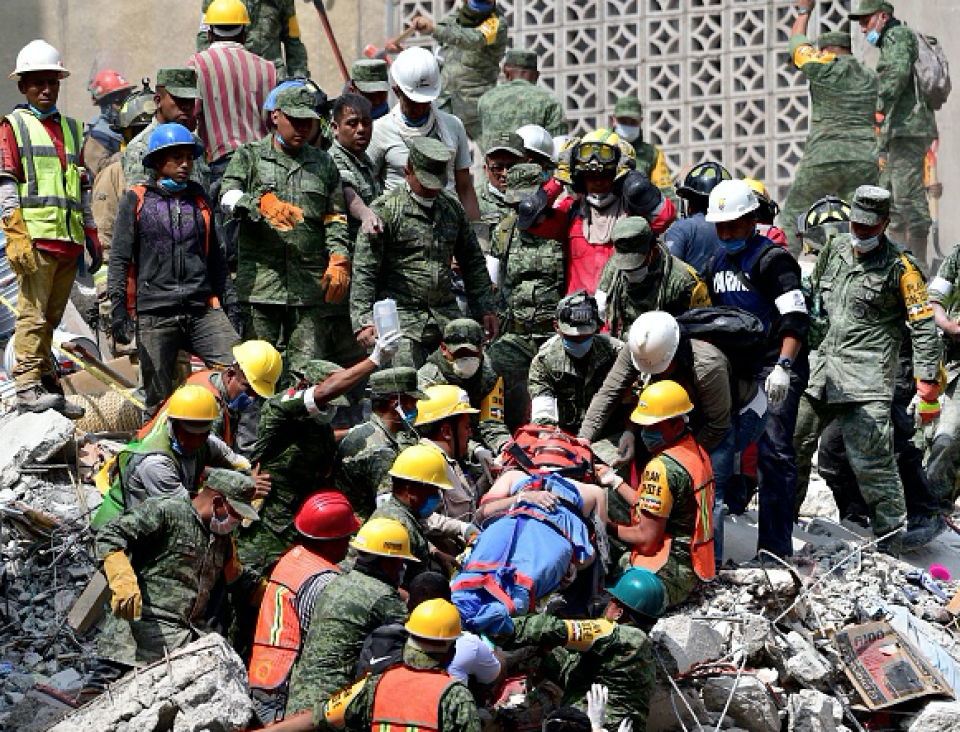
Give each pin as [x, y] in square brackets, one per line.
[473, 41]
[101, 140]
[352, 127]
[370, 79]
[273, 34]
[868, 288]
[539, 146]
[671, 528]
[907, 124]
[325, 523]
[693, 239]
[627, 121]
[350, 608]
[293, 263]
[502, 153]
[425, 227]
[766, 213]
[519, 101]
[47, 221]
[840, 152]
[756, 275]
[461, 362]
[642, 276]
[366, 453]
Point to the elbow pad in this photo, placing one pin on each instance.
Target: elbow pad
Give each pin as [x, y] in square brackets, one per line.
[640, 195]
[532, 208]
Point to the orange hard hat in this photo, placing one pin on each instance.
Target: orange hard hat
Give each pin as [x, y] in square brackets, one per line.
[108, 82]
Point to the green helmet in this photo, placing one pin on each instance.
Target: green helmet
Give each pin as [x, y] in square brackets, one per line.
[641, 591]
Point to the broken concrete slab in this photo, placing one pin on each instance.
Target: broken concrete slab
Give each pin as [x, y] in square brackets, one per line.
[663, 718]
[938, 717]
[685, 642]
[812, 711]
[804, 663]
[30, 438]
[751, 705]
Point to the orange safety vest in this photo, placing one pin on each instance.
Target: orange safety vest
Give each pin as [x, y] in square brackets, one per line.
[204, 379]
[408, 699]
[277, 641]
[696, 462]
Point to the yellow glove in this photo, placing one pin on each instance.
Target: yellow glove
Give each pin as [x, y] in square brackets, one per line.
[126, 602]
[20, 252]
[336, 280]
[281, 215]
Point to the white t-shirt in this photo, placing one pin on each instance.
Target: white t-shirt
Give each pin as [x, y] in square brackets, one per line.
[474, 658]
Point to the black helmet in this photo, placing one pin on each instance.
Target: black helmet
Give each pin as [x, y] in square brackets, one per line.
[826, 218]
[702, 179]
[137, 109]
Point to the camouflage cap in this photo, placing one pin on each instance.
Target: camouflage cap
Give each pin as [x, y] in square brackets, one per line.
[509, 142]
[237, 488]
[397, 380]
[521, 58]
[834, 38]
[628, 107]
[632, 238]
[863, 8]
[370, 75]
[317, 371]
[871, 204]
[463, 333]
[523, 180]
[180, 83]
[578, 314]
[297, 103]
[429, 159]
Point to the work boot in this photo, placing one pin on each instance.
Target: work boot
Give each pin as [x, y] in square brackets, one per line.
[921, 530]
[891, 544]
[35, 398]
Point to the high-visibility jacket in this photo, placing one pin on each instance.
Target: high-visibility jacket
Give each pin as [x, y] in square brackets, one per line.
[49, 193]
[277, 640]
[205, 379]
[408, 699]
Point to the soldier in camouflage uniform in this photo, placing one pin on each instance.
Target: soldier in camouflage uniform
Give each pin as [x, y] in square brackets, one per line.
[642, 275]
[841, 149]
[369, 78]
[907, 124]
[294, 254]
[425, 227]
[368, 450]
[503, 152]
[472, 44]
[627, 120]
[175, 98]
[868, 287]
[519, 101]
[273, 24]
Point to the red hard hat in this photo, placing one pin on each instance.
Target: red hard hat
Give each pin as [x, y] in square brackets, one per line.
[326, 514]
[107, 82]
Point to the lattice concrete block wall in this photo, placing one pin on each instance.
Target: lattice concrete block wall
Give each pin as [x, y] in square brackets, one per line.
[714, 75]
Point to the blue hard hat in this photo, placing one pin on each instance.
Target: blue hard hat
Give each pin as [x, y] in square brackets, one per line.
[170, 135]
[271, 104]
[641, 591]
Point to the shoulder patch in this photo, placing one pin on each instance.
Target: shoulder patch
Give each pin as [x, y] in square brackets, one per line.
[655, 496]
[807, 54]
[489, 29]
[336, 707]
[582, 634]
[913, 289]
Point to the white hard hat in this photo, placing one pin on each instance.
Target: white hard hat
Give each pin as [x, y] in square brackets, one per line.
[39, 56]
[730, 200]
[417, 73]
[537, 140]
[653, 341]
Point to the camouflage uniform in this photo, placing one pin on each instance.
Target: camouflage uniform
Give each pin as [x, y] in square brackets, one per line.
[273, 23]
[351, 607]
[866, 300]
[458, 710]
[410, 260]
[493, 207]
[279, 272]
[650, 159]
[472, 46]
[841, 150]
[622, 660]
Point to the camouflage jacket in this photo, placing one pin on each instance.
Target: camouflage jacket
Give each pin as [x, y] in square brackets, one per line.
[492, 211]
[285, 267]
[652, 163]
[471, 52]
[132, 160]
[905, 114]
[509, 106]
[944, 290]
[358, 174]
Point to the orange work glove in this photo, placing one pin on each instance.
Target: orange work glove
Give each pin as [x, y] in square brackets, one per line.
[20, 252]
[336, 280]
[281, 215]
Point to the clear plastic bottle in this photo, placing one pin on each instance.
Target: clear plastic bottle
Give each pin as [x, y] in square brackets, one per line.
[385, 318]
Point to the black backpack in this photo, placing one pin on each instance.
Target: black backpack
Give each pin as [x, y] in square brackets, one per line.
[740, 335]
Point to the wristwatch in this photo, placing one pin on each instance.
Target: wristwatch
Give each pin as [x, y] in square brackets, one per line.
[802, 11]
[785, 362]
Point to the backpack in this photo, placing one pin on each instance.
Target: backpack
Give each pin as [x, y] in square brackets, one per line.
[544, 448]
[931, 72]
[740, 335]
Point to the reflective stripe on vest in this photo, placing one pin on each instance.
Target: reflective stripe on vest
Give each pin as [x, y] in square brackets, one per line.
[409, 699]
[200, 378]
[50, 194]
[696, 462]
[277, 641]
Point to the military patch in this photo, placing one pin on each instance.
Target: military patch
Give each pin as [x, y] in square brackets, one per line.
[582, 634]
[293, 27]
[492, 405]
[336, 218]
[807, 54]
[913, 289]
[336, 708]
[655, 496]
[489, 29]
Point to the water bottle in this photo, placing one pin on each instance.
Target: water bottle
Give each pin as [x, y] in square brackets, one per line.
[385, 318]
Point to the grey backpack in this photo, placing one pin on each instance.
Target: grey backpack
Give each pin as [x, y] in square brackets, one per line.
[931, 72]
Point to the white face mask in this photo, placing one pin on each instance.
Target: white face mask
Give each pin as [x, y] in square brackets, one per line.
[598, 201]
[422, 200]
[466, 367]
[224, 526]
[494, 191]
[629, 132]
[863, 246]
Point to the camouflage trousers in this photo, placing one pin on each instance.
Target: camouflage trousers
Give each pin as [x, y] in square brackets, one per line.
[868, 435]
[300, 333]
[945, 449]
[903, 177]
[511, 355]
[814, 181]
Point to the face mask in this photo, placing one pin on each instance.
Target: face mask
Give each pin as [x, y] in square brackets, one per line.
[408, 417]
[43, 115]
[494, 191]
[629, 132]
[178, 448]
[466, 367]
[422, 200]
[415, 122]
[381, 110]
[636, 276]
[863, 246]
[429, 507]
[241, 402]
[223, 526]
[732, 246]
[325, 415]
[546, 175]
[169, 184]
[652, 439]
[598, 201]
[873, 38]
[578, 350]
[479, 7]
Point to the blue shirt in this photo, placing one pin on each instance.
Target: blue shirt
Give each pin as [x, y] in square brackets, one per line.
[694, 240]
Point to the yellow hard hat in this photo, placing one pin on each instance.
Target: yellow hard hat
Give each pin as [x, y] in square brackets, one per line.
[436, 620]
[422, 464]
[227, 12]
[384, 537]
[193, 403]
[261, 364]
[758, 187]
[660, 401]
[564, 154]
[443, 401]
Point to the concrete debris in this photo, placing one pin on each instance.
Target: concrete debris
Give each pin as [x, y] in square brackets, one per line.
[30, 438]
[751, 706]
[804, 664]
[202, 688]
[938, 717]
[812, 711]
[684, 642]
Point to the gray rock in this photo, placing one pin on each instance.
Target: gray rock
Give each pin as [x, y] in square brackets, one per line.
[751, 706]
[663, 718]
[67, 681]
[30, 438]
[684, 642]
[811, 711]
[938, 717]
[804, 663]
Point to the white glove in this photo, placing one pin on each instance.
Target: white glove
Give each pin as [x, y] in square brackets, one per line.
[385, 348]
[626, 725]
[778, 384]
[597, 706]
[229, 199]
[626, 449]
[610, 478]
